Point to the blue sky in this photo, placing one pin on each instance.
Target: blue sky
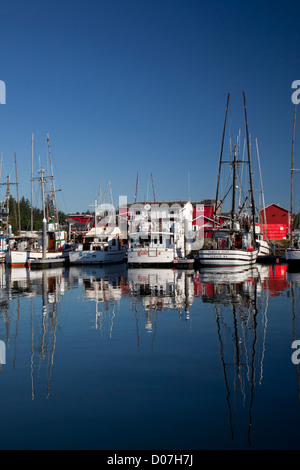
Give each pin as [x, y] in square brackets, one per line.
[132, 85]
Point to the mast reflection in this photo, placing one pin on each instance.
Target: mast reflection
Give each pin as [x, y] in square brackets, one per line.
[238, 299]
[293, 280]
[49, 285]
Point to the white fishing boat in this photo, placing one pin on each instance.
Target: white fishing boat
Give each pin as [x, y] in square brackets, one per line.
[233, 239]
[102, 244]
[28, 251]
[102, 248]
[160, 235]
[227, 254]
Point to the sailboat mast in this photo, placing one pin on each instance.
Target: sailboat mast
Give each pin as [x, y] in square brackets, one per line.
[18, 201]
[262, 190]
[44, 244]
[250, 173]
[233, 187]
[221, 153]
[31, 211]
[52, 179]
[292, 168]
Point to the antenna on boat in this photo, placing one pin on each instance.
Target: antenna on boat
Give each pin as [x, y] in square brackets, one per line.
[153, 187]
[220, 161]
[136, 186]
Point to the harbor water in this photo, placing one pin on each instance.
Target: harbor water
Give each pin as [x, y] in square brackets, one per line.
[117, 358]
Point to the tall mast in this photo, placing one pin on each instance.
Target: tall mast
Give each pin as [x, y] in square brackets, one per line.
[262, 190]
[221, 153]
[1, 164]
[250, 173]
[153, 187]
[31, 212]
[44, 244]
[52, 180]
[136, 186]
[18, 201]
[233, 186]
[292, 168]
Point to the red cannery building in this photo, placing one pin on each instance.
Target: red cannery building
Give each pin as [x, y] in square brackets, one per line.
[277, 224]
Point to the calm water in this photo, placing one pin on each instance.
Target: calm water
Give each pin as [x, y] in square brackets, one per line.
[111, 358]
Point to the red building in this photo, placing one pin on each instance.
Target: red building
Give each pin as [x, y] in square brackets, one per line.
[278, 222]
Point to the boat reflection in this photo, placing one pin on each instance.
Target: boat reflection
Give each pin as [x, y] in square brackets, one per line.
[105, 286]
[160, 290]
[240, 312]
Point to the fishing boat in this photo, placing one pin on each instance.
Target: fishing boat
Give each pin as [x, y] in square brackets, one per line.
[292, 254]
[233, 238]
[160, 235]
[48, 248]
[102, 244]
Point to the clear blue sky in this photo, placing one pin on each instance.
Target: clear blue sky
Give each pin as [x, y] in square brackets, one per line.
[141, 85]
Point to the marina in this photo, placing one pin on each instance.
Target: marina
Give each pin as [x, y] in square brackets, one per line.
[149, 229]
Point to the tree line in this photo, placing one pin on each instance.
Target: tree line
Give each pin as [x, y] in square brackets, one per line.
[25, 215]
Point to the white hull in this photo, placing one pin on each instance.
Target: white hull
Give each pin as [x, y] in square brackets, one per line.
[21, 259]
[96, 257]
[227, 257]
[150, 256]
[263, 248]
[292, 256]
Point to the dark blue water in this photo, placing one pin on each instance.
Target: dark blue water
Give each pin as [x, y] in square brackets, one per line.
[113, 359]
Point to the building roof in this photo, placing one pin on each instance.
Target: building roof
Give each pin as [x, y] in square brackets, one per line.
[275, 205]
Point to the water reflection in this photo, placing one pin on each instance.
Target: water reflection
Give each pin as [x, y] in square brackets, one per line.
[236, 300]
[105, 286]
[234, 295]
[293, 280]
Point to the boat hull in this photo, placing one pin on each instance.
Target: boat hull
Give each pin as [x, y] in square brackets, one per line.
[263, 248]
[97, 257]
[23, 259]
[292, 256]
[151, 257]
[227, 257]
